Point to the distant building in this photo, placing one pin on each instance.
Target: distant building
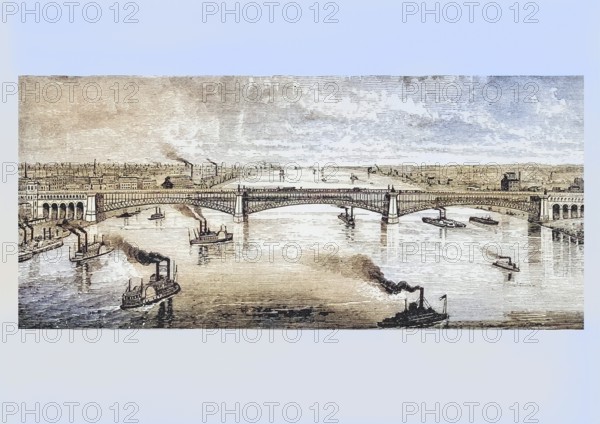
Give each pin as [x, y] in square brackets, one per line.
[146, 184]
[128, 183]
[28, 191]
[511, 182]
[167, 183]
[577, 185]
[96, 183]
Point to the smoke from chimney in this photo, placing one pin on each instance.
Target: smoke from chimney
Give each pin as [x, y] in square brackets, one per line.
[139, 255]
[361, 266]
[170, 153]
[65, 224]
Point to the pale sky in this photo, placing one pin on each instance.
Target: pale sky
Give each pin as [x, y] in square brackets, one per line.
[346, 120]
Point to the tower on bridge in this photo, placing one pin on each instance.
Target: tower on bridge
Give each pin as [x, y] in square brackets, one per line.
[390, 215]
[240, 212]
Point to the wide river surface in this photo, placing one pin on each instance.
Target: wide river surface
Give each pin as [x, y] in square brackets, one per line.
[297, 267]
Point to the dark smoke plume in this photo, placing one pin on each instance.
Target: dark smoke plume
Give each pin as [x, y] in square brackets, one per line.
[170, 153]
[135, 253]
[191, 212]
[66, 225]
[79, 227]
[185, 211]
[361, 266]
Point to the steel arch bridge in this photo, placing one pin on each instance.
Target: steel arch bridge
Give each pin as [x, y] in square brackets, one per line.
[388, 203]
[391, 204]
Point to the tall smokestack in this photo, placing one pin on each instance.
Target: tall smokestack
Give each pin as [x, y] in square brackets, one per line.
[157, 269]
[216, 166]
[31, 228]
[421, 297]
[168, 268]
[192, 171]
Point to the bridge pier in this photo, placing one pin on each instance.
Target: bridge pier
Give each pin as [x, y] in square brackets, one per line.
[238, 214]
[545, 210]
[391, 215]
[90, 208]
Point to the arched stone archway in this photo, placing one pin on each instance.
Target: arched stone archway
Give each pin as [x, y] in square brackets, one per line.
[574, 212]
[79, 211]
[46, 210]
[581, 211]
[555, 211]
[70, 211]
[565, 211]
[62, 211]
[54, 212]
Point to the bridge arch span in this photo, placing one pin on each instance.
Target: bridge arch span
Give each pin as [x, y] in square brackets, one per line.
[358, 205]
[481, 207]
[125, 205]
[532, 209]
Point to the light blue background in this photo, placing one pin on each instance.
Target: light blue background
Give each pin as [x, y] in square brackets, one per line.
[368, 373]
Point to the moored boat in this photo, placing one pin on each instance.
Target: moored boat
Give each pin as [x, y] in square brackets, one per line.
[89, 251]
[33, 245]
[25, 254]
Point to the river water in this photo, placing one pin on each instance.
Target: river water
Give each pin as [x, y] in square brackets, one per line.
[294, 267]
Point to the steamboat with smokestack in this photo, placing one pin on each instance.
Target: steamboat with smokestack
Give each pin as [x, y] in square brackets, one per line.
[85, 250]
[443, 221]
[505, 262]
[204, 235]
[348, 218]
[486, 220]
[415, 314]
[33, 245]
[128, 214]
[158, 214]
[162, 285]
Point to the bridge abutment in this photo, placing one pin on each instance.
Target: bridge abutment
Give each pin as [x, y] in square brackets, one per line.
[90, 209]
[545, 210]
